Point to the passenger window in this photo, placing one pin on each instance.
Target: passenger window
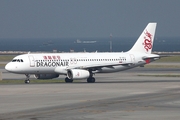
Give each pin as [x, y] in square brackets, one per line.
[14, 60]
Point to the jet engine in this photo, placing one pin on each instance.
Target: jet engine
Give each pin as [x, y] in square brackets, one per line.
[46, 76]
[77, 74]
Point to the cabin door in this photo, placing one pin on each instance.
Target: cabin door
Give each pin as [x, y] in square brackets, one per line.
[31, 60]
[132, 58]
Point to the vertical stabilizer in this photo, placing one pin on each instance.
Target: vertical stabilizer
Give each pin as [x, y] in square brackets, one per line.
[144, 43]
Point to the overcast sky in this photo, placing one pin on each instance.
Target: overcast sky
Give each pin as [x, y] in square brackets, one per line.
[87, 18]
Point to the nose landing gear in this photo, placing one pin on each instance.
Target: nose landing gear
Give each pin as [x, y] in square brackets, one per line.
[27, 81]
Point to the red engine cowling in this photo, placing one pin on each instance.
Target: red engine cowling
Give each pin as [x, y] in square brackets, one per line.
[46, 76]
[77, 74]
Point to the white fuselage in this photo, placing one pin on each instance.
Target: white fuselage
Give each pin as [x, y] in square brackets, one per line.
[47, 63]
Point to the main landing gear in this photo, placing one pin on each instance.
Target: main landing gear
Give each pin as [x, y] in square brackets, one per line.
[67, 80]
[91, 79]
[27, 81]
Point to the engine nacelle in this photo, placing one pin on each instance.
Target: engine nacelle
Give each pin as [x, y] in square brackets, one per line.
[77, 74]
[46, 76]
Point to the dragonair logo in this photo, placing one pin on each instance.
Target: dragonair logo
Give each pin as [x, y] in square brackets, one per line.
[147, 41]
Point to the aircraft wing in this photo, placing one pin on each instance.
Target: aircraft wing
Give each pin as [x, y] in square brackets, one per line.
[97, 65]
[94, 66]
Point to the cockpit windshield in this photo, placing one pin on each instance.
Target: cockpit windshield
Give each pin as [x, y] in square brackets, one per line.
[17, 60]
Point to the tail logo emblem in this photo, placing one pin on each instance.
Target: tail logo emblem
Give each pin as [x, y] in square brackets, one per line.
[147, 41]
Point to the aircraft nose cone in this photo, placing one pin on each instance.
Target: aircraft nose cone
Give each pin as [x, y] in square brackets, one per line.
[11, 67]
[7, 67]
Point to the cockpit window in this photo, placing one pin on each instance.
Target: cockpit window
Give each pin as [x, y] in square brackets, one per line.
[14, 60]
[17, 60]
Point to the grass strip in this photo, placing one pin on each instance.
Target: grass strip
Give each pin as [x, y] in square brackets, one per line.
[2, 65]
[6, 57]
[161, 66]
[169, 59]
[31, 81]
[160, 75]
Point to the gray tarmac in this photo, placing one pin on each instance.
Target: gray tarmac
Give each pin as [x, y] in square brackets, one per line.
[116, 96]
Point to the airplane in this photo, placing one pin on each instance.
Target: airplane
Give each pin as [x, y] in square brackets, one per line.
[77, 66]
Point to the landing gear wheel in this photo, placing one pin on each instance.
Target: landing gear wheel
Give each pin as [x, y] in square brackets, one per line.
[91, 80]
[27, 81]
[67, 80]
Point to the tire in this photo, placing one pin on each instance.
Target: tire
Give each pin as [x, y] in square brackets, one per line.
[91, 80]
[67, 80]
[27, 81]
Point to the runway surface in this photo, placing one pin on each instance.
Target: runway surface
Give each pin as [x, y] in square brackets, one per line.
[116, 96]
